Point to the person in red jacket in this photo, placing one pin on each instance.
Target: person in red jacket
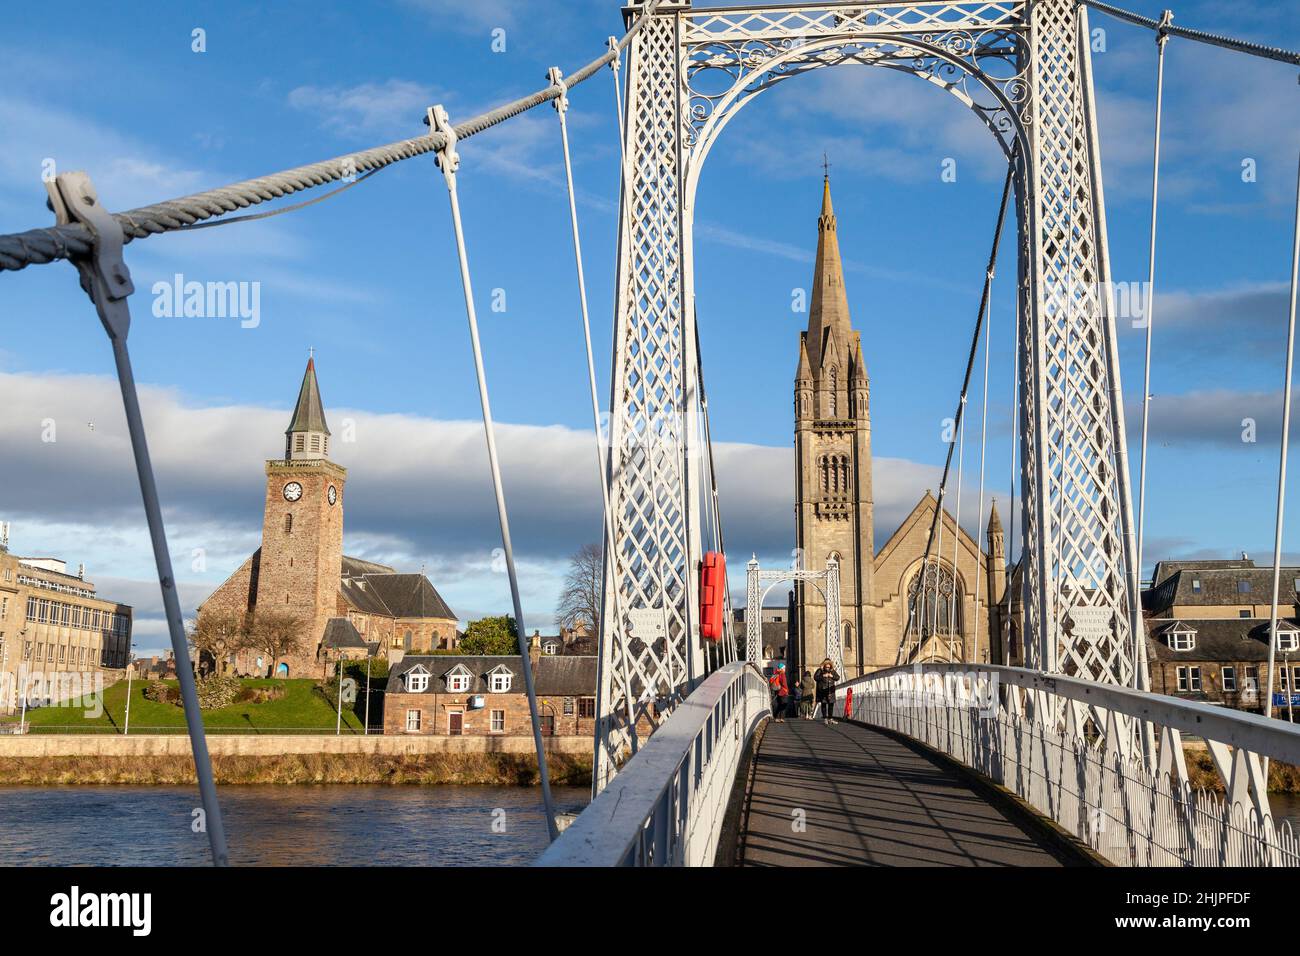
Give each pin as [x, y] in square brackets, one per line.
[780, 693]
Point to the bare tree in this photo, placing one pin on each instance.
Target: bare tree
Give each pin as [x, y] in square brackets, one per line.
[277, 633]
[580, 599]
[218, 634]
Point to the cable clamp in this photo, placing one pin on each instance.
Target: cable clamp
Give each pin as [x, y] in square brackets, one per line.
[561, 100]
[618, 54]
[104, 275]
[446, 156]
[1162, 29]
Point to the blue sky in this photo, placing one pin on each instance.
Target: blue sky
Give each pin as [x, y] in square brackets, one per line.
[369, 280]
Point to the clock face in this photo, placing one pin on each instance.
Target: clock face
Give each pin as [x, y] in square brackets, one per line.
[332, 495]
[292, 491]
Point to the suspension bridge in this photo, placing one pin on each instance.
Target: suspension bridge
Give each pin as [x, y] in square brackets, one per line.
[1068, 759]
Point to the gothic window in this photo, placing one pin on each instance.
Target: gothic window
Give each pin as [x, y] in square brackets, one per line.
[824, 465]
[288, 524]
[835, 393]
[938, 607]
[848, 638]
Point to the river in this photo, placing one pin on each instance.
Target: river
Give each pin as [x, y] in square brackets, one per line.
[278, 825]
[299, 825]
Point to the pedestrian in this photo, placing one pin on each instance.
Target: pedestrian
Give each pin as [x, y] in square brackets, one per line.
[808, 691]
[796, 698]
[780, 693]
[827, 678]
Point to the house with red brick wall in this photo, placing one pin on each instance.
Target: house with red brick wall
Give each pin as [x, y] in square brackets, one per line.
[462, 695]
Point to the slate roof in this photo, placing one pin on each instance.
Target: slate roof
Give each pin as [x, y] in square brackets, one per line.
[341, 633]
[556, 676]
[1167, 569]
[308, 414]
[356, 567]
[1219, 586]
[394, 594]
[565, 676]
[1217, 639]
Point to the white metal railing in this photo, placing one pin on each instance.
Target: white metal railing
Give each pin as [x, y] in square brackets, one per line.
[1072, 749]
[666, 806]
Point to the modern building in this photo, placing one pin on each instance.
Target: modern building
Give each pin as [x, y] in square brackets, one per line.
[456, 695]
[301, 569]
[53, 622]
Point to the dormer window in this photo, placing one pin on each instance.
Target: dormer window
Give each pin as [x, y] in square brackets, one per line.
[417, 679]
[499, 680]
[1182, 639]
[1288, 641]
[458, 679]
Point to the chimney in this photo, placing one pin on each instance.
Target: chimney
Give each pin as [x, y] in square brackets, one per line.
[535, 648]
[81, 572]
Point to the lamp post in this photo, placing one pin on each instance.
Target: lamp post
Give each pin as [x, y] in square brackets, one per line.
[130, 672]
[338, 725]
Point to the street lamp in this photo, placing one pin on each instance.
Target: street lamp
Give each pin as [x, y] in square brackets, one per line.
[130, 672]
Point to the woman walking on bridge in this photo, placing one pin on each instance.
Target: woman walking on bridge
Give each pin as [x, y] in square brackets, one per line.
[827, 678]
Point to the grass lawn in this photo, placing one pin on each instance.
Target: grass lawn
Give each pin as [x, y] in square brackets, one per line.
[303, 707]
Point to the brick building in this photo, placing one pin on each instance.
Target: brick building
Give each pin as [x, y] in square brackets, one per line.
[301, 569]
[54, 623]
[458, 695]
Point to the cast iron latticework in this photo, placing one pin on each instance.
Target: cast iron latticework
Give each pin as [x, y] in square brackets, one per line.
[1023, 67]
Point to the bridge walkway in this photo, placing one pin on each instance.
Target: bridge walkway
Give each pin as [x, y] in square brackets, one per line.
[873, 800]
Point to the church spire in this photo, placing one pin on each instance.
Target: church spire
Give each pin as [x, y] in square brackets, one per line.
[307, 435]
[829, 311]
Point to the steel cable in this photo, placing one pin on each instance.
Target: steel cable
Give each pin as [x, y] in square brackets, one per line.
[39, 246]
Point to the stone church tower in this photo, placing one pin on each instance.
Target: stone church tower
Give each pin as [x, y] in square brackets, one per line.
[832, 436]
[302, 525]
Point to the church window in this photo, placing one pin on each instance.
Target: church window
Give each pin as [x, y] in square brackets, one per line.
[937, 606]
[848, 637]
[315, 442]
[299, 442]
[288, 524]
[835, 393]
[325, 445]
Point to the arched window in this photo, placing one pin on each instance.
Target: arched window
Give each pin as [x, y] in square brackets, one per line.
[848, 638]
[938, 607]
[288, 524]
[835, 393]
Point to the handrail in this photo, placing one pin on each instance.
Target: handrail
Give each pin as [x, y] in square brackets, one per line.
[665, 807]
[1258, 734]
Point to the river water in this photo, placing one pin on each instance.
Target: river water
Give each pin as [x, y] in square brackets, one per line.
[279, 825]
[282, 825]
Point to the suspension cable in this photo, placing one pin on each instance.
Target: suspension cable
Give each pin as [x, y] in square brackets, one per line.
[1214, 39]
[1016, 429]
[39, 246]
[984, 437]
[449, 161]
[1281, 468]
[561, 105]
[1161, 38]
[956, 524]
[970, 365]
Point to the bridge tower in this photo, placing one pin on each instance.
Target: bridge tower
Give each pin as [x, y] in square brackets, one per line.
[1023, 67]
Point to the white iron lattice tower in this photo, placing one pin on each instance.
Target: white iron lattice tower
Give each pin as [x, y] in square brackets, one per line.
[1023, 67]
[827, 582]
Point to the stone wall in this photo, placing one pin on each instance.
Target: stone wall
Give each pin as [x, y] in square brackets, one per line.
[178, 745]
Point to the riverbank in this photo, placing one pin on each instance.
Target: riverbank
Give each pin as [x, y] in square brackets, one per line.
[164, 759]
[489, 769]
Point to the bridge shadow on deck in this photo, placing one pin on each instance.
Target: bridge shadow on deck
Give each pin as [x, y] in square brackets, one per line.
[871, 800]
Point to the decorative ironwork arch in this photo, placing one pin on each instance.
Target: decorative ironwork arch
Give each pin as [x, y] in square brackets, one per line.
[1024, 67]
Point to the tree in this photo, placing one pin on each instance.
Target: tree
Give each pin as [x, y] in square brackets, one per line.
[491, 636]
[580, 599]
[277, 633]
[217, 634]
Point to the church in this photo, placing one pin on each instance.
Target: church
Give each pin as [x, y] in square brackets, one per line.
[834, 512]
[336, 600]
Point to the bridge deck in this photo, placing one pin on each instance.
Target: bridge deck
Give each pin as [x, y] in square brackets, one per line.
[872, 800]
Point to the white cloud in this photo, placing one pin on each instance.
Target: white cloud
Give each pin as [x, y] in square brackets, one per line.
[418, 491]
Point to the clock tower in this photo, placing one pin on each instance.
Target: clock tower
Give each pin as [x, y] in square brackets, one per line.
[302, 526]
